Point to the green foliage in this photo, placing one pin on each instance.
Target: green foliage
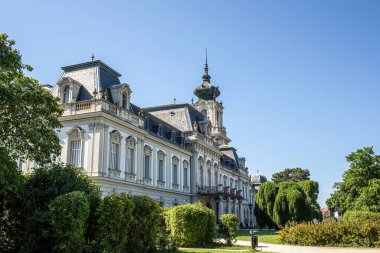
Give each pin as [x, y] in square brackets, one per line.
[228, 227]
[291, 175]
[145, 226]
[42, 186]
[361, 216]
[69, 213]
[264, 203]
[165, 240]
[11, 205]
[27, 120]
[291, 204]
[332, 234]
[115, 216]
[192, 225]
[364, 167]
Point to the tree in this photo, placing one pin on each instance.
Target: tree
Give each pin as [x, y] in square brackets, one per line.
[264, 203]
[228, 227]
[42, 186]
[369, 199]
[28, 112]
[311, 189]
[115, 218]
[291, 174]
[364, 166]
[69, 213]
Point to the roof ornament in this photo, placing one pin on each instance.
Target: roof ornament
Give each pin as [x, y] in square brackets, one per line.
[92, 57]
[206, 77]
[174, 100]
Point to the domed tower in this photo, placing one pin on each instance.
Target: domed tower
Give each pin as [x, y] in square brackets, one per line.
[257, 180]
[210, 108]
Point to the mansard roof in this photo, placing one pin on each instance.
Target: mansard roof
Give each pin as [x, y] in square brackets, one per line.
[90, 64]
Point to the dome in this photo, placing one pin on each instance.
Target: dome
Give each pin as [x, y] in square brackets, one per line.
[258, 178]
[206, 90]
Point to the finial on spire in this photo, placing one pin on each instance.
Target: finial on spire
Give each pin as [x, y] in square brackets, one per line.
[206, 77]
[92, 57]
[175, 100]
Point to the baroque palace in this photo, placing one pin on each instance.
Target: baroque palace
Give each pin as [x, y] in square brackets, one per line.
[173, 153]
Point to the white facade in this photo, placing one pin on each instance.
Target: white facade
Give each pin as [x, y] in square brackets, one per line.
[174, 154]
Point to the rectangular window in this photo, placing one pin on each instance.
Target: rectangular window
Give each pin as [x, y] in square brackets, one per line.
[147, 166]
[75, 153]
[130, 160]
[161, 170]
[175, 174]
[185, 177]
[114, 156]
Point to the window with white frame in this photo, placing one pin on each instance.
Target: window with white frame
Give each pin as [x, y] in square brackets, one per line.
[185, 173]
[201, 176]
[115, 150]
[161, 157]
[130, 162]
[74, 153]
[147, 155]
[65, 94]
[175, 170]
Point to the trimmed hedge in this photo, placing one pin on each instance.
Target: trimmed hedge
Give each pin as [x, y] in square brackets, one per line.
[228, 227]
[69, 213]
[192, 225]
[360, 216]
[332, 234]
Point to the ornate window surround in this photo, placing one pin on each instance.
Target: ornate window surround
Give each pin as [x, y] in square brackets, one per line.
[73, 135]
[161, 157]
[148, 152]
[131, 143]
[175, 169]
[115, 138]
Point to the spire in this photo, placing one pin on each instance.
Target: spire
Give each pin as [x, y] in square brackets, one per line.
[206, 77]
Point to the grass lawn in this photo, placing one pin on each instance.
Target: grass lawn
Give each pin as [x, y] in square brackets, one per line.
[265, 236]
[219, 248]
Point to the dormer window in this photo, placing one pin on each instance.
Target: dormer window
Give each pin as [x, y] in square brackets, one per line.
[65, 94]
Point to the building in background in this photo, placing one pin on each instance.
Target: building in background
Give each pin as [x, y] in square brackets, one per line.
[173, 153]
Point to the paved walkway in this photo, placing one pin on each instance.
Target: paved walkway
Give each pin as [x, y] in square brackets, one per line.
[266, 247]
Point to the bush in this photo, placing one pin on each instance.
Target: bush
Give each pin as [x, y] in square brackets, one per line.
[69, 213]
[192, 225]
[115, 215]
[145, 225]
[228, 226]
[42, 186]
[361, 216]
[332, 234]
[165, 240]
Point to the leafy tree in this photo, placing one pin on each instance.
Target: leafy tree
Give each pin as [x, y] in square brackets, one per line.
[28, 112]
[364, 166]
[11, 205]
[228, 227]
[69, 213]
[115, 216]
[291, 174]
[42, 186]
[369, 199]
[264, 203]
[145, 226]
[311, 189]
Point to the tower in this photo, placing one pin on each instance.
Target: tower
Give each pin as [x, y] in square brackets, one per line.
[211, 108]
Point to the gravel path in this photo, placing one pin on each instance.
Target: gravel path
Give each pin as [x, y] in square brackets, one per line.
[266, 247]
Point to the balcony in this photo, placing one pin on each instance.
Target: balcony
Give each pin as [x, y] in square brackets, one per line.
[100, 105]
[212, 190]
[186, 189]
[175, 187]
[161, 184]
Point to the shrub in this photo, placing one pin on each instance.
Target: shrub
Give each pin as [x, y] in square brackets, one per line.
[192, 224]
[42, 186]
[264, 203]
[145, 225]
[69, 213]
[115, 215]
[332, 234]
[360, 216]
[228, 227]
[165, 240]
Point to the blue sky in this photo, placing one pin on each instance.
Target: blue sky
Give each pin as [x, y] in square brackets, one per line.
[300, 80]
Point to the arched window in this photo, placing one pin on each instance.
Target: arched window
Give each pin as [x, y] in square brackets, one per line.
[185, 173]
[115, 151]
[161, 162]
[65, 95]
[75, 139]
[147, 155]
[175, 170]
[130, 163]
[204, 112]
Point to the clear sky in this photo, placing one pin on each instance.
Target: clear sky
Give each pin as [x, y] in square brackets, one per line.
[300, 80]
